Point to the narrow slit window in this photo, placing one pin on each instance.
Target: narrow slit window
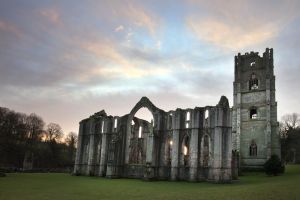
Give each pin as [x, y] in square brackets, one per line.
[185, 150]
[140, 132]
[206, 114]
[102, 127]
[188, 116]
[253, 149]
[116, 123]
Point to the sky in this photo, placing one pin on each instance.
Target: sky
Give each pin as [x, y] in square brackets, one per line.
[66, 60]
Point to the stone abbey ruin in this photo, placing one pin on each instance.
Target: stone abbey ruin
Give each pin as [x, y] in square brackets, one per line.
[201, 144]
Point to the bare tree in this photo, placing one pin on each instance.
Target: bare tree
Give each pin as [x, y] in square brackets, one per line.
[71, 139]
[53, 132]
[289, 129]
[71, 142]
[35, 126]
[291, 121]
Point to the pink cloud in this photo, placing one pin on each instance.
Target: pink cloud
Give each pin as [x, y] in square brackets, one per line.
[52, 15]
[10, 28]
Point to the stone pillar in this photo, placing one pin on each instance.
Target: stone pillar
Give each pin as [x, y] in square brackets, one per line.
[193, 155]
[103, 158]
[217, 155]
[175, 153]
[91, 158]
[150, 162]
[228, 155]
[128, 135]
[79, 150]
[194, 146]
[149, 153]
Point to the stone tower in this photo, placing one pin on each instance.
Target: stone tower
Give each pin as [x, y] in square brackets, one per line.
[254, 123]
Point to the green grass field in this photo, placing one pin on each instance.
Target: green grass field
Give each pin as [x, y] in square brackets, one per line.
[252, 186]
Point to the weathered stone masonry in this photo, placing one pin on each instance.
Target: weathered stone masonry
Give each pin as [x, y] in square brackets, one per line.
[255, 126]
[177, 145]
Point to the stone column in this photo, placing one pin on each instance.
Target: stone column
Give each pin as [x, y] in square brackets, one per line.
[149, 171]
[91, 159]
[217, 155]
[103, 158]
[79, 150]
[193, 155]
[175, 153]
[228, 154]
[149, 153]
[194, 146]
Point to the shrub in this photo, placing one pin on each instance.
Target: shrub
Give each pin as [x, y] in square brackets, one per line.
[274, 166]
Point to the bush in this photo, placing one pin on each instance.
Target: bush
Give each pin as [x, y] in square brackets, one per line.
[274, 166]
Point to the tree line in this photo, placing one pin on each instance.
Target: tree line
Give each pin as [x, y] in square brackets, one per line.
[27, 143]
[290, 138]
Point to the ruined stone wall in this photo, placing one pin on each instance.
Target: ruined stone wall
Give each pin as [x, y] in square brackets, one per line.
[185, 144]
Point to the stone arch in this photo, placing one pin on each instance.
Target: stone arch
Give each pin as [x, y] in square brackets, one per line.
[143, 103]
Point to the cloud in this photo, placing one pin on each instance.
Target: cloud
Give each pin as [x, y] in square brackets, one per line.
[232, 37]
[52, 15]
[10, 28]
[116, 62]
[119, 28]
[240, 24]
[135, 14]
[141, 18]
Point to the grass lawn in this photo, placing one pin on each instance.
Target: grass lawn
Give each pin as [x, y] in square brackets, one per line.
[252, 186]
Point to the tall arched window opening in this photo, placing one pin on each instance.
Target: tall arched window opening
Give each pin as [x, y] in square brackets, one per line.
[253, 149]
[253, 82]
[185, 150]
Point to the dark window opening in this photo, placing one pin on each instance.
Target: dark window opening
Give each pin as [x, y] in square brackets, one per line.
[253, 83]
[253, 113]
[253, 149]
